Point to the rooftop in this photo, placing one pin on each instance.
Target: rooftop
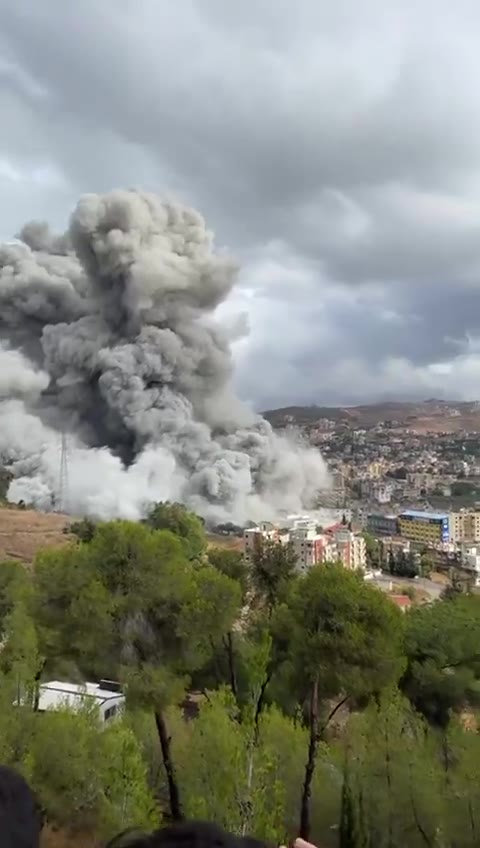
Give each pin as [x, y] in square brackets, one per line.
[56, 693]
[401, 600]
[426, 516]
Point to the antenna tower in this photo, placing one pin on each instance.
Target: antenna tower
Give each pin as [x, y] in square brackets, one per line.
[63, 477]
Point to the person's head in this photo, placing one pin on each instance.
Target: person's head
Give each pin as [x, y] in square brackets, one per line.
[189, 834]
[20, 816]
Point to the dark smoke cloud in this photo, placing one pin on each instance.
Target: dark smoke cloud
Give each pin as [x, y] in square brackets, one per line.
[117, 316]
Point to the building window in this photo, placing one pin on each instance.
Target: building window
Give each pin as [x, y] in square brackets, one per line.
[109, 713]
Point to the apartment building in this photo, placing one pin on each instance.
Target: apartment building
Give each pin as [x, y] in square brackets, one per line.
[311, 547]
[350, 549]
[465, 526]
[424, 528]
[382, 525]
[308, 545]
[253, 536]
[471, 563]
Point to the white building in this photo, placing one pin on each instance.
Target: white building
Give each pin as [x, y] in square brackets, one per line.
[351, 549]
[253, 536]
[464, 526]
[311, 547]
[471, 562]
[106, 696]
[307, 544]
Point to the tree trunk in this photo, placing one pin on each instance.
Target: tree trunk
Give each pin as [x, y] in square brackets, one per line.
[310, 765]
[231, 664]
[173, 792]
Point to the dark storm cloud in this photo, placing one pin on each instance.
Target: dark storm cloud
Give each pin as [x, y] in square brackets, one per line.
[335, 148]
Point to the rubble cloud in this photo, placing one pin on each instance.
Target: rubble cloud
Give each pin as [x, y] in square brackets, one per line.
[109, 333]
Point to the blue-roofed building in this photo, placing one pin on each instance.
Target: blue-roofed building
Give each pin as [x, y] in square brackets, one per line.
[425, 528]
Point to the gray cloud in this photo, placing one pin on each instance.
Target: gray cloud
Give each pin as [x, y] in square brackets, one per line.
[334, 148]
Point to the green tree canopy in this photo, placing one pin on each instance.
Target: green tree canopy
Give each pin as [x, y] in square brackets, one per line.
[344, 641]
[273, 567]
[130, 605]
[442, 646]
[184, 524]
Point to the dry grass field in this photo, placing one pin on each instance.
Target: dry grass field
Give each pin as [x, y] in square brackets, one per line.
[24, 532]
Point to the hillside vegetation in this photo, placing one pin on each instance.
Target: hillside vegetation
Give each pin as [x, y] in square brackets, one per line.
[270, 703]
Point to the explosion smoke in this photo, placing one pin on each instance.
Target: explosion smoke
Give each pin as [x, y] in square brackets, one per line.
[109, 333]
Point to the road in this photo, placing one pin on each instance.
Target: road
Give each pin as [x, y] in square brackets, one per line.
[433, 590]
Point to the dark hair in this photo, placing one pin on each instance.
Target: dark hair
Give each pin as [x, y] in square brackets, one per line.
[20, 815]
[190, 834]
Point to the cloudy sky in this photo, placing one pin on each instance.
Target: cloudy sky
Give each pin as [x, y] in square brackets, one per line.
[334, 148]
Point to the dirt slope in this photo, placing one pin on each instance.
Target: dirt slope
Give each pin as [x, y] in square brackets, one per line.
[24, 532]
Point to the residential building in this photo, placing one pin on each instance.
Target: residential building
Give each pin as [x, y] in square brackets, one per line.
[253, 536]
[106, 696]
[465, 526]
[337, 544]
[351, 549]
[425, 528]
[307, 544]
[471, 562]
[382, 493]
[382, 525]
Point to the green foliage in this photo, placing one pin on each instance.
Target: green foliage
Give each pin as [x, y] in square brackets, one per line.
[84, 529]
[13, 581]
[443, 672]
[184, 524]
[273, 568]
[341, 632]
[272, 657]
[88, 778]
[373, 551]
[232, 563]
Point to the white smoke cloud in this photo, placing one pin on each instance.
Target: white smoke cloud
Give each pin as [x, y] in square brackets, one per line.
[18, 377]
[112, 337]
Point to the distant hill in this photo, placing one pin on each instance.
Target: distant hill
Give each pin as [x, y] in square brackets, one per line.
[421, 416]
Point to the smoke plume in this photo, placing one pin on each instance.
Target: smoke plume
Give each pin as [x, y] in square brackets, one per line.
[109, 334]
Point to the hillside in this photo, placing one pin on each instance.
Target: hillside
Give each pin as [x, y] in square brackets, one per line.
[24, 532]
[422, 416]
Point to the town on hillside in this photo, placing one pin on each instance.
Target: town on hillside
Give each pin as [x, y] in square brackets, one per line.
[405, 493]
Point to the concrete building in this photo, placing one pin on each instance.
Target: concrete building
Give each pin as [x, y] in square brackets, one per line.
[382, 492]
[471, 563]
[106, 696]
[382, 525]
[465, 526]
[424, 528]
[253, 536]
[351, 549]
[308, 545]
[338, 544]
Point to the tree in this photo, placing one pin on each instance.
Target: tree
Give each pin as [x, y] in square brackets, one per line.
[19, 658]
[232, 563]
[130, 605]
[273, 568]
[84, 529]
[442, 646]
[13, 580]
[395, 771]
[353, 830]
[372, 550]
[182, 523]
[344, 643]
[88, 778]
